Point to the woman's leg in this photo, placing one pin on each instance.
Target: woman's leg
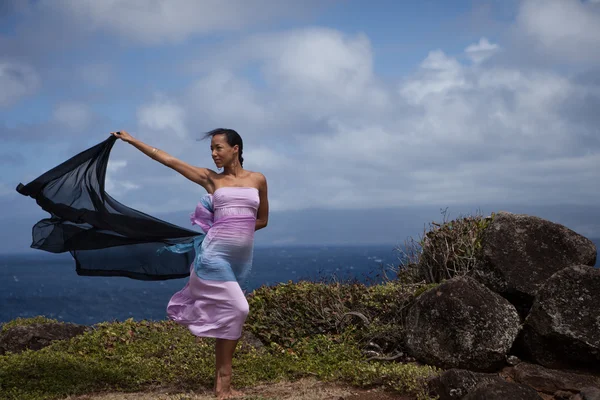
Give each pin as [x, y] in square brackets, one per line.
[224, 350]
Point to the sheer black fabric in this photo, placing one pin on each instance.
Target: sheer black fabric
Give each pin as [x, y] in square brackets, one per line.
[105, 237]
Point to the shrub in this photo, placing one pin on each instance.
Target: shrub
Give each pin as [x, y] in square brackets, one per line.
[285, 313]
[27, 321]
[448, 249]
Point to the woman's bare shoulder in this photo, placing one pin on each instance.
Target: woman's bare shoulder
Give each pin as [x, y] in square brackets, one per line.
[257, 177]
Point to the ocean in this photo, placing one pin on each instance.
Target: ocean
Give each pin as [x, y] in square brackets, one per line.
[40, 283]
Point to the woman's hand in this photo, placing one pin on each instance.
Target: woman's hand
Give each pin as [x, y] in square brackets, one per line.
[123, 135]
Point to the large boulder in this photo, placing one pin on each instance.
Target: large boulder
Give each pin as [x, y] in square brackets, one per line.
[37, 336]
[588, 393]
[454, 384]
[563, 327]
[502, 391]
[552, 381]
[461, 324]
[520, 252]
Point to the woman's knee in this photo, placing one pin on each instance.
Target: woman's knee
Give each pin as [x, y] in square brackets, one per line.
[242, 308]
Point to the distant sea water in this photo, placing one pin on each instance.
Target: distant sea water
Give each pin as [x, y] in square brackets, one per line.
[40, 283]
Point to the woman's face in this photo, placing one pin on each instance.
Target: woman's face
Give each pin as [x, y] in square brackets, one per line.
[222, 153]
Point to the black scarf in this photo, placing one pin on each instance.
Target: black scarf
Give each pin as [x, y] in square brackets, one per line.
[105, 237]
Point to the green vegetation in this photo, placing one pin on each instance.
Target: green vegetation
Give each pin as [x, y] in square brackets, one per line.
[133, 356]
[447, 249]
[336, 331]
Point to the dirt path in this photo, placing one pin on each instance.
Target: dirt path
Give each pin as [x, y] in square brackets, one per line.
[306, 389]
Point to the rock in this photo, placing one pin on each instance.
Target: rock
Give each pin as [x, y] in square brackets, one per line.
[512, 360]
[563, 327]
[37, 336]
[519, 252]
[551, 381]
[502, 391]
[461, 324]
[589, 393]
[456, 383]
[249, 341]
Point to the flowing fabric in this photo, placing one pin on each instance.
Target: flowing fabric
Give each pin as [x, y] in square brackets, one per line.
[105, 237]
[212, 302]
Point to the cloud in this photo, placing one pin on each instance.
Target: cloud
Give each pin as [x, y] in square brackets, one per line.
[481, 51]
[450, 133]
[320, 72]
[565, 30]
[75, 116]
[17, 81]
[114, 184]
[163, 115]
[164, 21]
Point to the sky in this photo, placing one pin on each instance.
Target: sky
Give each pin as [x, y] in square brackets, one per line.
[367, 118]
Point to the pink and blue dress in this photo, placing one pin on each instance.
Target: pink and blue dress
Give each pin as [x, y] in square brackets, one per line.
[212, 303]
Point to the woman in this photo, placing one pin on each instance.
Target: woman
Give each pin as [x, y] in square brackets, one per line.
[212, 303]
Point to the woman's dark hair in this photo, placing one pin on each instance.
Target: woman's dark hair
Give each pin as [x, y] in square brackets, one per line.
[233, 138]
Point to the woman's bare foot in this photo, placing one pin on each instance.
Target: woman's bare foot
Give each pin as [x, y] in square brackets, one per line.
[223, 388]
[229, 395]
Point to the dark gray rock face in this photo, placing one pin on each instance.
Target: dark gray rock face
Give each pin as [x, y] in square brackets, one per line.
[37, 336]
[552, 381]
[588, 393]
[502, 391]
[563, 327]
[519, 252]
[461, 324]
[454, 383]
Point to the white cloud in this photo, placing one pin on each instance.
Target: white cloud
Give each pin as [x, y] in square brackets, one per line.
[73, 115]
[262, 158]
[221, 98]
[17, 80]
[481, 51]
[114, 184]
[320, 71]
[163, 115]
[565, 30]
[170, 21]
[328, 132]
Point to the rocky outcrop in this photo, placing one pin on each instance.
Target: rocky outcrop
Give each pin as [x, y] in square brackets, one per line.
[461, 324]
[502, 391]
[588, 393]
[37, 336]
[557, 383]
[520, 252]
[249, 342]
[455, 383]
[563, 328]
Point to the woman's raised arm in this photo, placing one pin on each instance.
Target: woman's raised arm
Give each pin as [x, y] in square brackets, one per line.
[201, 176]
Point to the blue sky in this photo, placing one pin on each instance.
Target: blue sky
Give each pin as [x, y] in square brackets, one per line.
[343, 105]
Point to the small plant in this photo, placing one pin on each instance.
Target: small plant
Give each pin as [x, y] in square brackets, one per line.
[27, 321]
[448, 249]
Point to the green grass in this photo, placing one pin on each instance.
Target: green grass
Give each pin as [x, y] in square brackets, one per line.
[134, 356]
[302, 325]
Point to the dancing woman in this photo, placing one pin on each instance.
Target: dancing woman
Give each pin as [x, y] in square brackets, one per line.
[212, 303]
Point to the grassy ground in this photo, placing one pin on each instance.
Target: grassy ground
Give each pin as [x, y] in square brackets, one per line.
[304, 389]
[320, 331]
